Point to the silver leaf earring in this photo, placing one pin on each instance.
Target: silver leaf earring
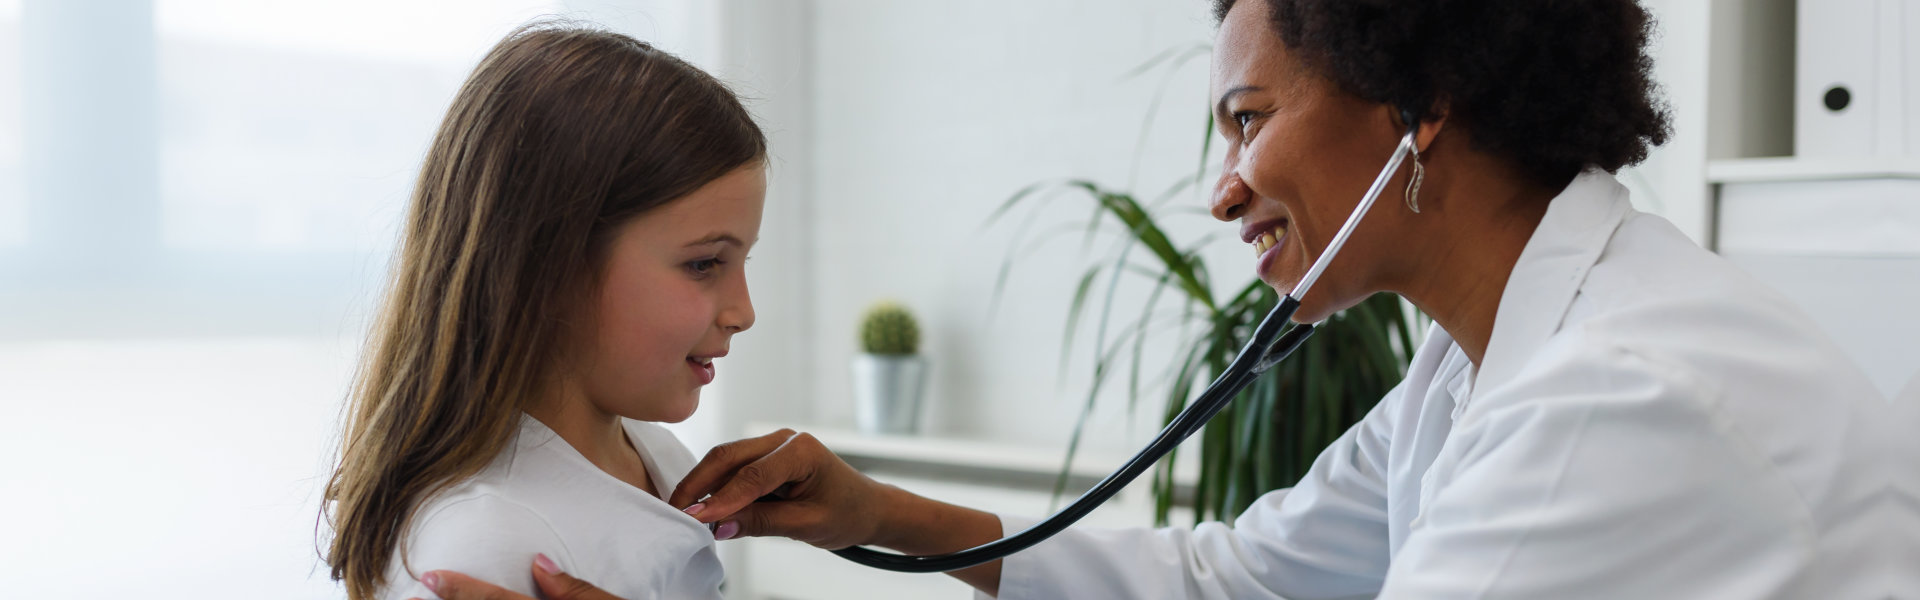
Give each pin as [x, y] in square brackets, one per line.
[1413, 186]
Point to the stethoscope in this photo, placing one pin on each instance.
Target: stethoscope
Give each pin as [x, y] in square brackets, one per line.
[1270, 344]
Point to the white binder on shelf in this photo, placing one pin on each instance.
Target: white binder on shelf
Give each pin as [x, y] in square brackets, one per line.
[1890, 77]
[1851, 78]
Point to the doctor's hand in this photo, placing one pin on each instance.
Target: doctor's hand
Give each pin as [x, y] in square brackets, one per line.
[785, 484]
[788, 484]
[554, 585]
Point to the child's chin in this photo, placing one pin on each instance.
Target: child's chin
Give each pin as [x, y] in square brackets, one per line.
[680, 412]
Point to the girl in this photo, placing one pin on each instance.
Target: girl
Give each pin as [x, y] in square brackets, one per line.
[570, 269]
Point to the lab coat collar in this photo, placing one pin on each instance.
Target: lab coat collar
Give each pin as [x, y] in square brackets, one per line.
[1578, 224]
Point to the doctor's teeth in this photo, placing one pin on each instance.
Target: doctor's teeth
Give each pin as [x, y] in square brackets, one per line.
[1264, 242]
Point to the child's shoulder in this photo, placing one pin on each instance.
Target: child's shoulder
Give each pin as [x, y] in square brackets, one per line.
[466, 505]
[477, 532]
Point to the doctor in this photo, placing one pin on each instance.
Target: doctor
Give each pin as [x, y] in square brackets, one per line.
[1602, 410]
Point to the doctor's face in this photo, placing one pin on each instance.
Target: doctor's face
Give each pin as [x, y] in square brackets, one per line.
[1300, 153]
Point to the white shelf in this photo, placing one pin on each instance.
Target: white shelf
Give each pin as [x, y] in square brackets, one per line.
[1761, 170]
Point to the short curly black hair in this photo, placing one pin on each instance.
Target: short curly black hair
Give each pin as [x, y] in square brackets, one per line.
[1554, 86]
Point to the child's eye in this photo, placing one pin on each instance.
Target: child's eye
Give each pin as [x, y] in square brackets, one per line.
[703, 266]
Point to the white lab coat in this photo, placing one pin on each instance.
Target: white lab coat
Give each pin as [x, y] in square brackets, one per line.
[1648, 422]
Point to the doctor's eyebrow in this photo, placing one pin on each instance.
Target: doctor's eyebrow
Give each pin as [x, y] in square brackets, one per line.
[1220, 108]
[717, 237]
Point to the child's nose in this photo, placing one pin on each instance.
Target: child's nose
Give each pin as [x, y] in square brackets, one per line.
[738, 315]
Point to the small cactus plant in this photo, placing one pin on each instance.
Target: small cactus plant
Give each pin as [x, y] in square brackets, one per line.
[889, 329]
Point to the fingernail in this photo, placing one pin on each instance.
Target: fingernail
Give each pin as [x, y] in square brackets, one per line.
[546, 564]
[432, 579]
[695, 509]
[727, 530]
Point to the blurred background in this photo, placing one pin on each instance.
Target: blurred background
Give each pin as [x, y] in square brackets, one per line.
[198, 200]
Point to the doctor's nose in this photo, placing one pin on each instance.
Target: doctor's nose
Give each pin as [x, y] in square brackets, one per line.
[1230, 197]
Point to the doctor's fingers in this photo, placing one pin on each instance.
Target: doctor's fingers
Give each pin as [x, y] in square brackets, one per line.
[554, 585]
[450, 585]
[800, 469]
[557, 585]
[804, 521]
[721, 462]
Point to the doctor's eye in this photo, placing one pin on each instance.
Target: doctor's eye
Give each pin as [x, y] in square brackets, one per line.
[1242, 118]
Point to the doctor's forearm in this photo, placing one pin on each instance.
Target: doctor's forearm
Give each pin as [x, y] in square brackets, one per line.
[917, 525]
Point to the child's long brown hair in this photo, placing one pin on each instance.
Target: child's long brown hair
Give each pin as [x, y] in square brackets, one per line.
[560, 135]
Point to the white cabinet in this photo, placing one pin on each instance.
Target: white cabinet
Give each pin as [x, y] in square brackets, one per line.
[1835, 224]
[1844, 245]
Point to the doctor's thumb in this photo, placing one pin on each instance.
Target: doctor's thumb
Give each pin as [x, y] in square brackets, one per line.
[556, 584]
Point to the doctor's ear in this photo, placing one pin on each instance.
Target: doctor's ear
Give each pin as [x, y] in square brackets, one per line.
[1431, 123]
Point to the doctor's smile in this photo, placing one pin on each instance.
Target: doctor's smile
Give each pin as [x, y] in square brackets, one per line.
[1266, 238]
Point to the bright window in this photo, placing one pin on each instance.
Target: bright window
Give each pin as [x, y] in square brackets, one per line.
[13, 201]
[197, 200]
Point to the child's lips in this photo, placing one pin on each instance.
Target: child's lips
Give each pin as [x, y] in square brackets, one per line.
[702, 369]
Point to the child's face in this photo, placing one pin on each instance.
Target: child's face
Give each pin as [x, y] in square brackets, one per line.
[673, 294]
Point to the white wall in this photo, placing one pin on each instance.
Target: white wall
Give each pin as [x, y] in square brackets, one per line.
[1672, 181]
[926, 117]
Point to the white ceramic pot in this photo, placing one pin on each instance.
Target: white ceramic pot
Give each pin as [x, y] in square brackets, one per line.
[887, 391]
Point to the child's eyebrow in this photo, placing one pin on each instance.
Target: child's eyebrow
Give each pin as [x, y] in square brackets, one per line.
[716, 238]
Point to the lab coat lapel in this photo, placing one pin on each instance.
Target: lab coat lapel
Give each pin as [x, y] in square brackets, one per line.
[1577, 226]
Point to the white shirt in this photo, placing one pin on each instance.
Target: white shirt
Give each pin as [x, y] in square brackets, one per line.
[1649, 422]
[542, 496]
